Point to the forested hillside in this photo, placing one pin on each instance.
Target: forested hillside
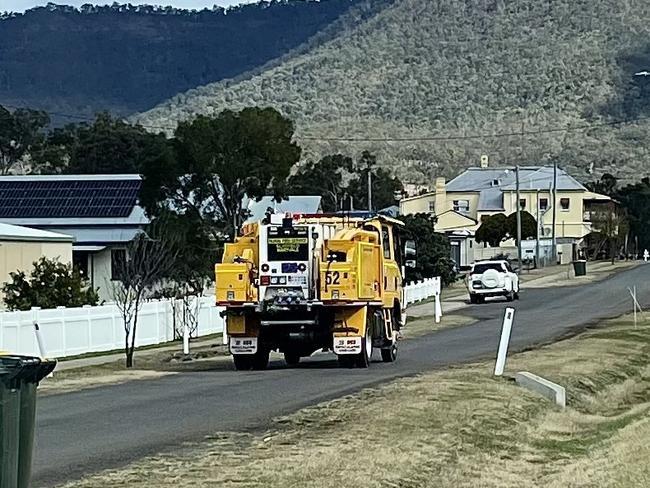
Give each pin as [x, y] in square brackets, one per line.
[427, 84]
[125, 58]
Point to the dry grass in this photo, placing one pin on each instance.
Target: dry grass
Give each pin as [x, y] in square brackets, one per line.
[455, 428]
[426, 324]
[148, 365]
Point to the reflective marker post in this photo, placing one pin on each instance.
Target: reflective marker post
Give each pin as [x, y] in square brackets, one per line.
[508, 319]
[437, 291]
[186, 338]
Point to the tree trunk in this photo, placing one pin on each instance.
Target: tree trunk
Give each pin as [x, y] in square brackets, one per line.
[131, 348]
[127, 352]
[129, 357]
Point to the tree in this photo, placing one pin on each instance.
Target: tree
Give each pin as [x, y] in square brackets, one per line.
[493, 230]
[433, 249]
[324, 178]
[221, 160]
[528, 226]
[610, 225]
[635, 201]
[106, 146]
[149, 258]
[51, 284]
[384, 185]
[21, 132]
[607, 185]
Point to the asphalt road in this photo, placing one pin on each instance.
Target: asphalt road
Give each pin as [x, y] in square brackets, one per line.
[78, 433]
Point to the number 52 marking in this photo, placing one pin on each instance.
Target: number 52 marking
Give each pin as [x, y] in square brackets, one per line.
[332, 278]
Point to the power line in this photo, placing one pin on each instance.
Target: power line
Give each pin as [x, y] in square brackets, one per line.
[547, 130]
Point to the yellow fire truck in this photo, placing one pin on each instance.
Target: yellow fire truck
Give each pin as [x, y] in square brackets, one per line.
[301, 283]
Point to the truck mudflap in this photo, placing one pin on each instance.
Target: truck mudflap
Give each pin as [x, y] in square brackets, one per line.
[348, 345]
[243, 345]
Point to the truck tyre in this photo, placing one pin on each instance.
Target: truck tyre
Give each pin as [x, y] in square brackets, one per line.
[346, 360]
[363, 358]
[243, 362]
[389, 354]
[260, 359]
[473, 298]
[292, 358]
[510, 296]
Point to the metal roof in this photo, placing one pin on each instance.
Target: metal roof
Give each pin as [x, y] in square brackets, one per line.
[68, 196]
[292, 204]
[101, 236]
[490, 183]
[542, 179]
[10, 232]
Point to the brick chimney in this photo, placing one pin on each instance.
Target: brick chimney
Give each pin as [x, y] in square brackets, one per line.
[441, 196]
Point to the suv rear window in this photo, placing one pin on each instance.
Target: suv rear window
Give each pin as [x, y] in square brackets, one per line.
[483, 267]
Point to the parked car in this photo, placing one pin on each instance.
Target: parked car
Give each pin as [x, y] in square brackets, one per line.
[492, 279]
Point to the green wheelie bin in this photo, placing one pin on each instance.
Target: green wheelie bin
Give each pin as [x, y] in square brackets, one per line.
[19, 377]
[580, 267]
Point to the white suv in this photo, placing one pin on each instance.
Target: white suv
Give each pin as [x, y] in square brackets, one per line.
[491, 279]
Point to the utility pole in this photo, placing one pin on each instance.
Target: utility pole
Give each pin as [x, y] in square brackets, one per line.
[537, 236]
[369, 189]
[518, 220]
[554, 242]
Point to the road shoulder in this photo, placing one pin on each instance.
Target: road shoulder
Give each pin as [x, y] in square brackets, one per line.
[458, 427]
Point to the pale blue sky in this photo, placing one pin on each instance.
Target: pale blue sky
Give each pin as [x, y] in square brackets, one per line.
[22, 5]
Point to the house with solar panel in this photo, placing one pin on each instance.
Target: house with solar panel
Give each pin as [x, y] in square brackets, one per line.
[100, 212]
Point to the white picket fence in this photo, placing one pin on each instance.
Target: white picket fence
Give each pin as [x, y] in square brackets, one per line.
[417, 291]
[73, 331]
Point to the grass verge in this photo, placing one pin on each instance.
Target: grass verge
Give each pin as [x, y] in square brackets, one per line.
[148, 364]
[417, 326]
[454, 428]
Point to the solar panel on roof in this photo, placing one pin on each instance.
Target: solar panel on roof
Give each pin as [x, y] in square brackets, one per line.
[68, 198]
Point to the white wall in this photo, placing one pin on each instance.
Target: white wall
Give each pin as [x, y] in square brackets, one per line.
[100, 266]
[415, 292]
[74, 331]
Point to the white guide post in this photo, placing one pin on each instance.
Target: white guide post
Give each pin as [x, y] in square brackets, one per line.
[186, 338]
[508, 319]
[438, 304]
[39, 340]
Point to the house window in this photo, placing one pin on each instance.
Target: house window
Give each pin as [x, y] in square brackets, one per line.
[432, 206]
[564, 204]
[80, 262]
[543, 204]
[461, 206]
[522, 203]
[118, 258]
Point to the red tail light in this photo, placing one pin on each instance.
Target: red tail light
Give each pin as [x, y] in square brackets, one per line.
[265, 280]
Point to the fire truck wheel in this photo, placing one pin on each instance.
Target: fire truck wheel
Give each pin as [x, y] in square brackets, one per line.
[389, 354]
[261, 359]
[292, 358]
[243, 362]
[346, 361]
[363, 358]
